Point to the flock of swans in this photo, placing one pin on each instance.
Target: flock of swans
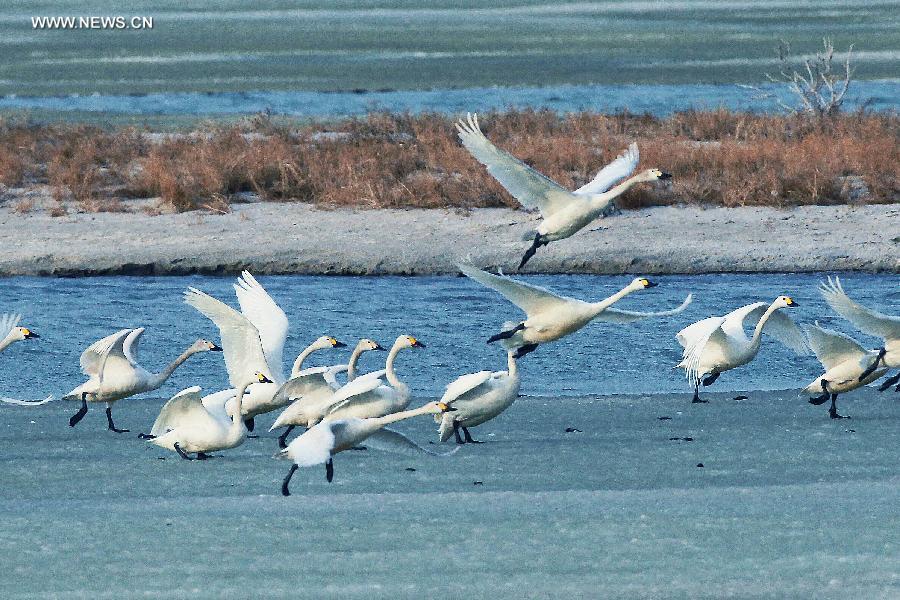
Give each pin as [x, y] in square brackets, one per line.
[340, 408]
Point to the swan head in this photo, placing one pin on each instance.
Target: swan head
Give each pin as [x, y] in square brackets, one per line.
[408, 341]
[205, 346]
[785, 302]
[23, 333]
[654, 175]
[365, 345]
[642, 283]
[326, 341]
[438, 408]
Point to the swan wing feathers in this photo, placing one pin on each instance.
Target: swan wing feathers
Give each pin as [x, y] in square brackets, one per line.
[295, 387]
[354, 391]
[184, 409]
[92, 358]
[780, 326]
[531, 188]
[331, 374]
[865, 319]
[613, 173]
[693, 339]
[7, 322]
[314, 446]
[388, 440]
[530, 298]
[241, 344]
[733, 325]
[832, 347]
[268, 318]
[615, 315]
[463, 385]
[131, 345]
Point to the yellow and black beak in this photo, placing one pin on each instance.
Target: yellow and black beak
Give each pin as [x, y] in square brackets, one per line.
[215, 348]
[790, 302]
[445, 407]
[337, 344]
[379, 347]
[29, 334]
[648, 284]
[263, 379]
[665, 175]
[417, 344]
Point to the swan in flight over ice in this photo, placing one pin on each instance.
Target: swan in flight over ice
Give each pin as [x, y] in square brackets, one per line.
[114, 373]
[312, 392]
[550, 316]
[478, 398]
[564, 212]
[845, 361]
[320, 443]
[718, 344]
[11, 333]
[185, 425]
[253, 340]
[887, 327]
[368, 396]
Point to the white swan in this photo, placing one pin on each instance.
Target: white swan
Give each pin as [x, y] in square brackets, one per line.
[564, 212]
[845, 360]
[478, 398]
[887, 327]
[185, 425]
[318, 444]
[326, 342]
[10, 333]
[368, 396]
[718, 344]
[313, 393]
[253, 340]
[114, 373]
[550, 316]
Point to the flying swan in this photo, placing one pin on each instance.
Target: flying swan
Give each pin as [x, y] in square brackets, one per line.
[114, 373]
[564, 212]
[718, 344]
[550, 316]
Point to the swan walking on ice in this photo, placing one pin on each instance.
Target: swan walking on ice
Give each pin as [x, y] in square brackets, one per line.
[551, 316]
[320, 443]
[564, 212]
[718, 344]
[478, 398]
[845, 362]
[114, 373]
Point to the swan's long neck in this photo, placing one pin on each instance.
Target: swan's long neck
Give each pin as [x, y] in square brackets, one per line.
[601, 201]
[599, 307]
[757, 332]
[390, 373]
[511, 365]
[351, 364]
[237, 419]
[298, 364]
[7, 340]
[161, 377]
[399, 416]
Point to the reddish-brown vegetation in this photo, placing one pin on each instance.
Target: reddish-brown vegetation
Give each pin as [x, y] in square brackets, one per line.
[391, 160]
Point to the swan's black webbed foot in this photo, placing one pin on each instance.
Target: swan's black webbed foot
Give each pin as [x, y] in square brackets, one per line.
[78, 416]
[110, 425]
[181, 452]
[504, 335]
[329, 470]
[203, 456]
[696, 399]
[710, 379]
[820, 400]
[469, 439]
[889, 382]
[523, 350]
[832, 412]
[871, 368]
[146, 436]
[249, 424]
[282, 439]
[284, 484]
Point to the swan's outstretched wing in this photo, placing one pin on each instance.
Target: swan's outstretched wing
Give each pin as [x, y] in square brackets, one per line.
[131, 345]
[215, 404]
[240, 339]
[113, 357]
[355, 390]
[27, 402]
[314, 446]
[331, 374]
[615, 315]
[832, 347]
[268, 318]
[7, 322]
[184, 409]
[295, 387]
[613, 173]
[532, 189]
[733, 326]
[693, 339]
[780, 326]
[388, 440]
[864, 319]
[530, 298]
[92, 358]
[463, 385]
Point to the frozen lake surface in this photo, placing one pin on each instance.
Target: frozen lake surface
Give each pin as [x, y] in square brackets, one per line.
[788, 503]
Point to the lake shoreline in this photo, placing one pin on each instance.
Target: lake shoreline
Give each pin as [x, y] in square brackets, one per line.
[296, 238]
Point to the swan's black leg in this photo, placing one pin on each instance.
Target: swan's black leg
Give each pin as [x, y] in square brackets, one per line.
[181, 452]
[889, 382]
[459, 439]
[503, 335]
[832, 412]
[284, 484]
[329, 470]
[203, 456]
[469, 439]
[538, 242]
[73, 421]
[282, 439]
[523, 350]
[249, 424]
[820, 400]
[696, 399]
[109, 421]
[146, 436]
[871, 368]
[711, 379]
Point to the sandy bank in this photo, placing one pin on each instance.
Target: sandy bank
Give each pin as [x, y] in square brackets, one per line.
[297, 238]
